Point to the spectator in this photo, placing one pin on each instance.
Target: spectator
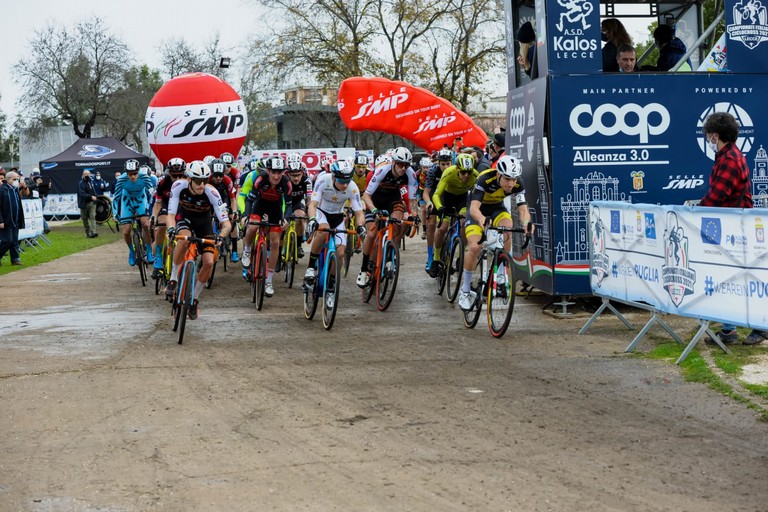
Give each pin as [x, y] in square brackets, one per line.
[481, 162]
[40, 189]
[24, 191]
[671, 49]
[497, 148]
[11, 217]
[526, 58]
[626, 59]
[86, 201]
[729, 187]
[615, 36]
[112, 185]
[99, 185]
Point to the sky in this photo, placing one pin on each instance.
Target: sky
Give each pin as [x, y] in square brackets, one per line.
[142, 24]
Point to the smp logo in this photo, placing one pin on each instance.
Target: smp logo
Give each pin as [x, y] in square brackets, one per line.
[517, 123]
[630, 119]
[749, 23]
[684, 182]
[438, 122]
[746, 138]
[373, 107]
[94, 151]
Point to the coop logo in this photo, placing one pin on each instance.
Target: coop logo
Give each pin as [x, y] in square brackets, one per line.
[438, 122]
[677, 277]
[684, 182]
[94, 151]
[630, 119]
[749, 23]
[377, 106]
[517, 123]
[746, 138]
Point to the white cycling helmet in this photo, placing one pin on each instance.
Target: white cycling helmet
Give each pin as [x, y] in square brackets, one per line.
[509, 167]
[425, 162]
[402, 154]
[198, 169]
[208, 159]
[294, 157]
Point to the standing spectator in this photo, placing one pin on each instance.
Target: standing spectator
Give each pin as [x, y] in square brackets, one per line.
[112, 185]
[86, 201]
[39, 187]
[24, 190]
[671, 49]
[729, 187]
[497, 147]
[11, 217]
[526, 36]
[99, 185]
[615, 36]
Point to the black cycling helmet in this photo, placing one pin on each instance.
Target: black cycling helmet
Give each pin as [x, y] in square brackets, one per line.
[228, 158]
[217, 166]
[275, 163]
[131, 165]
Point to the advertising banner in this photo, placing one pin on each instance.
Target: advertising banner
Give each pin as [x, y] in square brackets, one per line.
[61, 205]
[746, 26]
[526, 111]
[707, 263]
[33, 218]
[573, 37]
[638, 138]
[312, 158]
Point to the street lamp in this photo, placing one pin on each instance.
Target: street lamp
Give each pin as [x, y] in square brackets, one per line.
[224, 62]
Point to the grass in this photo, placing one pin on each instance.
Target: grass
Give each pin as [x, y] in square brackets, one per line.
[695, 368]
[65, 239]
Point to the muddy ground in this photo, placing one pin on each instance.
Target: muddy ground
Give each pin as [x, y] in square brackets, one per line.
[403, 410]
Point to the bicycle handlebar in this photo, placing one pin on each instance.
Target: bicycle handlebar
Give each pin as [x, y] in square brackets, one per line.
[504, 229]
[198, 240]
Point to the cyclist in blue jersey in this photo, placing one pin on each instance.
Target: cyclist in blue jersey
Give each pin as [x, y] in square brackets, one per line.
[131, 199]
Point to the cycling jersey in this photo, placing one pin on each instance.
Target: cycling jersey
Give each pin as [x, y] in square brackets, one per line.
[385, 186]
[331, 200]
[225, 188]
[185, 204]
[131, 199]
[451, 183]
[257, 190]
[299, 191]
[163, 191]
[488, 189]
[433, 176]
[362, 181]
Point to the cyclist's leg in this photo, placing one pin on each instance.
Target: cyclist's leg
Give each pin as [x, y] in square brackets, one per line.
[299, 210]
[160, 229]
[274, 251]
[146, 237]
[318, 240]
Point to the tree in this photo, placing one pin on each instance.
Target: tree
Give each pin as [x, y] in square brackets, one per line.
[9, 141]
[125, 118]
[72, 75]
[180, 57]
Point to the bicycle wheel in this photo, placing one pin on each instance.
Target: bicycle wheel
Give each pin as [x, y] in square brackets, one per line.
[162, 277]
[311, 297]
[442, 263]
[261, 276]
[501, 295]
[473, 314]
[292, 256]
[138, 251]
[387, 283]
[226, 251]
[331, 290]
[187, 294]
[455, 269]
[351, 244]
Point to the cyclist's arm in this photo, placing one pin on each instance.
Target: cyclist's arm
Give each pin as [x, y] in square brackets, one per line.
[244, 191]
[173, 203]
[314, 201]
[221, 213]
[437, 196]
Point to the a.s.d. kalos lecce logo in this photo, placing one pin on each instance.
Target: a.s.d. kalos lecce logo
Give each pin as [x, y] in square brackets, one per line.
[750, 25]
[94, 151]
[630, 119]
[576, 11]
[746, 137]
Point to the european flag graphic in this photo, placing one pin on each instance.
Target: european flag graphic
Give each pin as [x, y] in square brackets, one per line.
[711, 231]
[615, 221]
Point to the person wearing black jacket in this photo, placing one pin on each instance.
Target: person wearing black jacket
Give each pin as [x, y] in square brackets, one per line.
[86, 201]
[11, 217]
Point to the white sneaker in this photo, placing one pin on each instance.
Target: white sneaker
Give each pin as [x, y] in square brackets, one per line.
[268, 290]
[310, 274]
[466, 299]
[330, 298]
[362, 279]
[246, 258]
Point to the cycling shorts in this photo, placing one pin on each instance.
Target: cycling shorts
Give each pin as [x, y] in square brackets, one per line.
[201, 227]
[496, 211]
[273, 211]
[334, 221]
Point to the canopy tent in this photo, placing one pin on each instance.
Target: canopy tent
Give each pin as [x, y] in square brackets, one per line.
[105, 155]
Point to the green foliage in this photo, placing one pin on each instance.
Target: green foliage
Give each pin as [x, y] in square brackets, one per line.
[125, 117]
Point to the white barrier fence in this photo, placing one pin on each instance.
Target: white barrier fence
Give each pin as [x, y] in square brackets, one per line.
[33, 218]
[710, 264]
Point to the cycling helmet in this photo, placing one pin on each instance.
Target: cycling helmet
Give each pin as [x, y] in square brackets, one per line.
[402, 155]
[208, 159]
[509, 167]
[275, 163]
[295, 166]
[145, 169]
[131, 165]
[444, 155]
[382, 159]
[217, 166]
[425, 162]
[465, 162]
[198, 169]
[294, 157]
[176, 166]
[361, 160]
[327, 162]
[227, 158]
[342, 170]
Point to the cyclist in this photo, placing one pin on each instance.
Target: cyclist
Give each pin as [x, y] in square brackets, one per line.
[326, 210]
[230, 170]
[301, 190]
[486, 206]
[444, 161]
[451, 194]
[325, 167]
[265, 194]
[421, 176]
[174, 171]
[233, 173]
[131, 199]
[191, 207]
[226, 189]
[384, 193]
[362, 172]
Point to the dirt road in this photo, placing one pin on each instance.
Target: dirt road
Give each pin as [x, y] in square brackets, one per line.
[401, 410]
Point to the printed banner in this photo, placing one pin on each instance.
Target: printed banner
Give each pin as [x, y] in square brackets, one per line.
[60, 205]
[573, 37]
[33, 218]
[312, 158]
[746, 26]
[708, 263]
